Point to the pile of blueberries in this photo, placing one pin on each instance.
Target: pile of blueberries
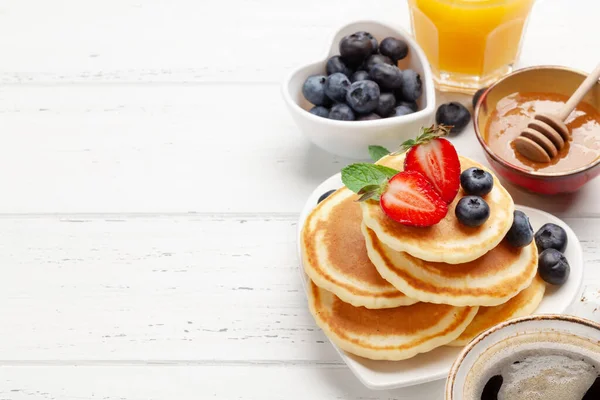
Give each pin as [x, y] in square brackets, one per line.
[550, 240]
[364, 82]
[472, 210]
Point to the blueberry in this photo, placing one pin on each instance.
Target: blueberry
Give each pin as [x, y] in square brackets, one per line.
[472, 211]
[336, 86]
[337, 64]
[356, 48]
[341, 112]
[320, 111]
[314, 90]
[387, 104]
[454, 114]
[393, 48]
[411, 85]
[387, 76]
[476, 181]
[402, 110]
[359, 76]
[376, 59]
[477, 95]
[325, 195]
[363, 96]
[520, 233]
[551, 236]
[553, 267]
[371, 38]
[410, 104]
[368, 117]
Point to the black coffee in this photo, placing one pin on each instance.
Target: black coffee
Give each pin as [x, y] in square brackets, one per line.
[545, 365]
[548, 376]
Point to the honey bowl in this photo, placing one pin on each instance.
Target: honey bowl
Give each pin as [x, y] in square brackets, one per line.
[506, 106]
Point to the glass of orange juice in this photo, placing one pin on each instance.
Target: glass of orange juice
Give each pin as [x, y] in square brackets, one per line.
[469, 43]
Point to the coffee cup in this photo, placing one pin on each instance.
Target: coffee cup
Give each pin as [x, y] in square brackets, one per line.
[529, 355]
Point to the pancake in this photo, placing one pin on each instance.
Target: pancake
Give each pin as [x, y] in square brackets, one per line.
[490, 280]
[335, 256]
[523, 304]
[448, 241]
[388, 334]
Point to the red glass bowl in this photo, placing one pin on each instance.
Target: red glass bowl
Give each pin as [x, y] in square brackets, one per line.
[554, 79]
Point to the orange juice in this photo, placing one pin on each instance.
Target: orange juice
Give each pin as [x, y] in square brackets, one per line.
[469, 43]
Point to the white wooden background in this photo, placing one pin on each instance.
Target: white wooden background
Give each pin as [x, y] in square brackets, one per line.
[151, 179]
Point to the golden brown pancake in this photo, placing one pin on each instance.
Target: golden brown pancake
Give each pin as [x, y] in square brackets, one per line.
[387, 334]
[524, 303]
[335, 256]
[490, 280]
[448, 241]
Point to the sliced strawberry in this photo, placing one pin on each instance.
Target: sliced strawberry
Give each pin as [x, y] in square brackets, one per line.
[438, 161]
[411, 200]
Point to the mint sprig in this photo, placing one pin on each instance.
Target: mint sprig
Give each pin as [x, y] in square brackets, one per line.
[377, 152]
[368, 180]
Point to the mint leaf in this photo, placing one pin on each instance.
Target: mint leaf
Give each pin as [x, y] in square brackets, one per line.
[357, 176]
[376, 152]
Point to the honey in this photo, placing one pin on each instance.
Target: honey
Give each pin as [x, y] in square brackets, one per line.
[513, 113]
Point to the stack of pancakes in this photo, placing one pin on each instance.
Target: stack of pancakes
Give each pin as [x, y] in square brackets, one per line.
[383, 290]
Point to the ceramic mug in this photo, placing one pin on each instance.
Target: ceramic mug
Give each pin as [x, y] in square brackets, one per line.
[470, 371]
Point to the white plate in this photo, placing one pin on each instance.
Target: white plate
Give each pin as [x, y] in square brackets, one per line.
[436, 364]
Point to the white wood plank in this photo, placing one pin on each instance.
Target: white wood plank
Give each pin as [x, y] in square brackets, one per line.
[226, 41]
[588, 232]
[166, 288]
[170, 41]
[171, 148]
[193, 382]
[220, 292]
[164, 148]
[171, 288]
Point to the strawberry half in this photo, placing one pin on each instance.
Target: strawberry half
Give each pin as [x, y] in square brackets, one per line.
[437, 160]
[411, 200]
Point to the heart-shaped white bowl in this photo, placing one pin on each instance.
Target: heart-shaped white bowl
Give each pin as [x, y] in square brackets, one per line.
[352, 138]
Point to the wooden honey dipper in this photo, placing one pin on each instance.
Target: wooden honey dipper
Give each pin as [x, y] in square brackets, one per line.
[546, 134]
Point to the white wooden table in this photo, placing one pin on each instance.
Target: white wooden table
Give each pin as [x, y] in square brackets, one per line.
[151, 181]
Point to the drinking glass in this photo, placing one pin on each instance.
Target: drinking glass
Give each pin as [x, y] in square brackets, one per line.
[469, 43]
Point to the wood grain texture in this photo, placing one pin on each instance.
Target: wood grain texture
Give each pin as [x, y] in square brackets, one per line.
[151, 182]
[162, 148]
[162, 288]
[173, 288]
[171, 41]
[225, 41]
[192, 383]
